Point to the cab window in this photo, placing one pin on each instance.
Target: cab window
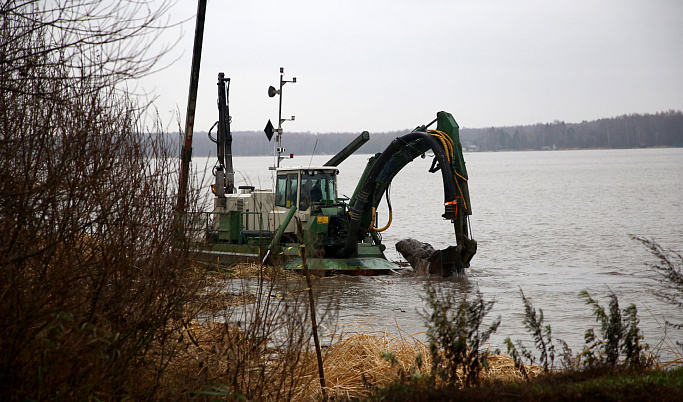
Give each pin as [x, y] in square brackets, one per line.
[316, 187]
[285, 190]
[292, 187]
[280, 190]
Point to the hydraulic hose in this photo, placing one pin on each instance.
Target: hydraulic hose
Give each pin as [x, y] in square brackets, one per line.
[372, 224]
[374, 212]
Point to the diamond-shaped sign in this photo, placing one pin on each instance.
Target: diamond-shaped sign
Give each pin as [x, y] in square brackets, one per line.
[269, 130]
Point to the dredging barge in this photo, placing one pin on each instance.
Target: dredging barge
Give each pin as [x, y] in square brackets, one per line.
[303, 217]
[304, 213]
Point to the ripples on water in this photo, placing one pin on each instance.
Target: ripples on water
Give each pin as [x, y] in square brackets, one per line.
[551, 223]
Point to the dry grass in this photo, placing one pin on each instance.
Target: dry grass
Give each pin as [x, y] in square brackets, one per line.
[357, 360]
[502, 367]
[218, 273]
[253, 343]
[357, 364]
[353, 365]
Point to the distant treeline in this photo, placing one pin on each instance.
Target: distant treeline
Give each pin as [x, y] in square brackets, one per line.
[255, 143]
[627, 131]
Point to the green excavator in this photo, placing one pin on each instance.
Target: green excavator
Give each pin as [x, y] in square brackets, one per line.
[303, 218]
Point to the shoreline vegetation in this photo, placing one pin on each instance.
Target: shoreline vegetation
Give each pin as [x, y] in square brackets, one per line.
[455, 363]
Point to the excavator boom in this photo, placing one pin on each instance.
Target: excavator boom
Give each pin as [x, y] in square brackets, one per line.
[444, 142]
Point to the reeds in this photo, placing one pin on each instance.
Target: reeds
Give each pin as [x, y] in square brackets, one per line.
[360, 363]
[356, 363]
[358, 359]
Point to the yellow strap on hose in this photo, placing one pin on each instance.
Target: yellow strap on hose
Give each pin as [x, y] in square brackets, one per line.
[448, 145]
[446, 140]
[445, 147]
[451, 145]
[372, 222]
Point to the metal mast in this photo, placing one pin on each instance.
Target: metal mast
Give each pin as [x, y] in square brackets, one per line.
[269, 127]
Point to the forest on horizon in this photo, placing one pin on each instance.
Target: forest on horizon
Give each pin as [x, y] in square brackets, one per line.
[662, 129]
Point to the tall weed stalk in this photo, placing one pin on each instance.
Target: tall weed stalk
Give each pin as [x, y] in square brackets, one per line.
[456, 336]
[619, 342]
[669, 267]
[543, 340]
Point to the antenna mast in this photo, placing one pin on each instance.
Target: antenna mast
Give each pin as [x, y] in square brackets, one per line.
[269, 130]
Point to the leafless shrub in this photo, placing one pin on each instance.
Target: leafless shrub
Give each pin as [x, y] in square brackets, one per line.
[98, 43]
[260, 350]
[98, 298]
[92, 272]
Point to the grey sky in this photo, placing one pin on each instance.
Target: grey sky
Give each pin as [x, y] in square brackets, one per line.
[387, 65]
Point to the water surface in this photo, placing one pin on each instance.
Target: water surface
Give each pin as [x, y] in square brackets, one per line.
[551, 223]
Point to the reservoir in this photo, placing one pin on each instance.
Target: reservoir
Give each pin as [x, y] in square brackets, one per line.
[552, 223]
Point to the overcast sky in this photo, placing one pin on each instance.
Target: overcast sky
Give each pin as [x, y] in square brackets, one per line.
[389, 65]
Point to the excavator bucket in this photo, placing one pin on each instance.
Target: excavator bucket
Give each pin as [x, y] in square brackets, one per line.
[453, 259]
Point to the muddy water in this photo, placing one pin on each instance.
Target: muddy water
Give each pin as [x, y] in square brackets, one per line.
[550, 223]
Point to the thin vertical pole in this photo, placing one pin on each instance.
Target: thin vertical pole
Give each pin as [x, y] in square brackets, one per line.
[321, 371]
[186, 151]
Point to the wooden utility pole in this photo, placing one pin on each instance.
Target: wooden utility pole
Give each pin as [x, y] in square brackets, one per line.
[186, 150]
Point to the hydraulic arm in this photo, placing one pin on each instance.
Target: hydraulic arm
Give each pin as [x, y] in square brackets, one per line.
[224, 171]
[224, 134]
[444, 142]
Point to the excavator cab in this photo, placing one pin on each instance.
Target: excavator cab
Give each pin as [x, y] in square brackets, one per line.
[317, 186]
[304, 187]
